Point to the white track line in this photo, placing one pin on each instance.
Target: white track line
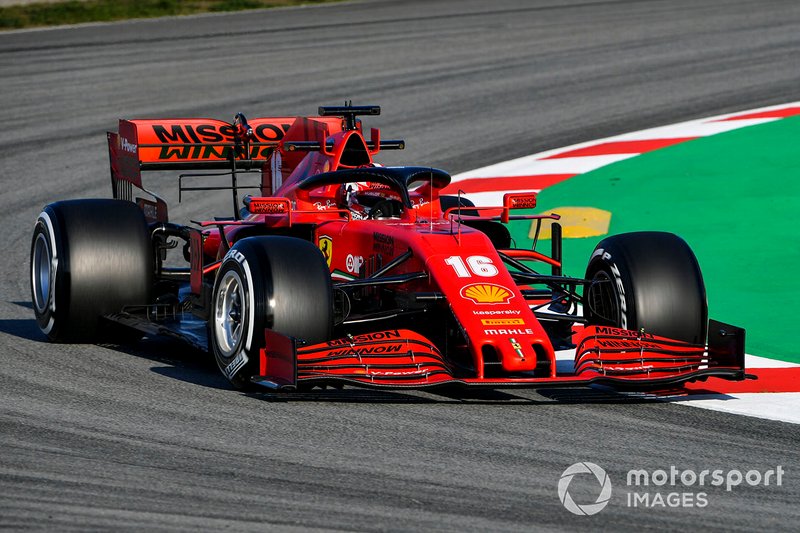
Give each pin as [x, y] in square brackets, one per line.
[542, 164]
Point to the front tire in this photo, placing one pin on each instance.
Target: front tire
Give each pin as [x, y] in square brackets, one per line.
[272, 282]
[649, 280]
[88, 258]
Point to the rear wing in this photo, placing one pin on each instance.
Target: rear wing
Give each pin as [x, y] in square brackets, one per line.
[185, 144]
[180, 144]
[194, 144]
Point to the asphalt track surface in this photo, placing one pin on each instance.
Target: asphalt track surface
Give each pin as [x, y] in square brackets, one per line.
[150, 435]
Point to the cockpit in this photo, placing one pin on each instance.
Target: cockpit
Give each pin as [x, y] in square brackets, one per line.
[373, 192]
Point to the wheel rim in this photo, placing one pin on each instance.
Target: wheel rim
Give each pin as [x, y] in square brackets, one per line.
[229, 313]
[42, 271]
[603, 301]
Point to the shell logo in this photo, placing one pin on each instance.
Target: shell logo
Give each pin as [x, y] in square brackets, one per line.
[487, 293]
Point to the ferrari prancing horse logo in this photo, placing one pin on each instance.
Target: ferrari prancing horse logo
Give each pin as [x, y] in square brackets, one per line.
[326, 247]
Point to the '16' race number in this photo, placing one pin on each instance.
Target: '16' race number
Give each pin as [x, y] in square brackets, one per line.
[477, 264]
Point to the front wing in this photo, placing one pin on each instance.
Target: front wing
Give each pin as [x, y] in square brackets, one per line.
[405, 359]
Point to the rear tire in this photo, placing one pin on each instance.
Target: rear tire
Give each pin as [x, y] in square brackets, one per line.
[647, 280]
[278, 283]
[88, 258]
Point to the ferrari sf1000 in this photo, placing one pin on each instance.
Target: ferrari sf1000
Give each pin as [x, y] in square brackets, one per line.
[337, 270]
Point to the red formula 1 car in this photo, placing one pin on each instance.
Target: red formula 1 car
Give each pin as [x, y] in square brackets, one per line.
[343, 271]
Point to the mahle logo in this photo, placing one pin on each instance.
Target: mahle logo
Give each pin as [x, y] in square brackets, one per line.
[590, 508]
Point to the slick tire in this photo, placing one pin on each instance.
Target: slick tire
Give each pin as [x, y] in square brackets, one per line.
[267, 282]
[647, 280]
[88, 258]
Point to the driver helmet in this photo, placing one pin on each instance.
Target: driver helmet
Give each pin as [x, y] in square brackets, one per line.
[358, 210]
[360, 197]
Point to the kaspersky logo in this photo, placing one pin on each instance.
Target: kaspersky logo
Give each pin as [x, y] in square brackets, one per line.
[487, 293]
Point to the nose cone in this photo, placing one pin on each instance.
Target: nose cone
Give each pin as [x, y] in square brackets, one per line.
[521, 349]
[516, 350]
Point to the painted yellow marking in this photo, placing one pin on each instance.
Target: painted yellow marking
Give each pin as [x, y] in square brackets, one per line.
[576, 223]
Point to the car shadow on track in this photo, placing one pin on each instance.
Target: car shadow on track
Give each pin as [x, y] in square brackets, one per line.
[177, 360]
[22, 328]
[184, 363]
[454, 396]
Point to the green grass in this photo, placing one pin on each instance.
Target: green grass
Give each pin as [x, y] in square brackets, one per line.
[75, 12]
[734, 197]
